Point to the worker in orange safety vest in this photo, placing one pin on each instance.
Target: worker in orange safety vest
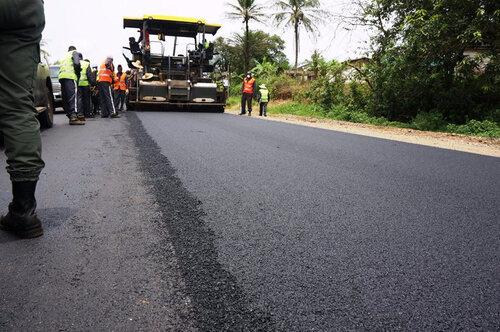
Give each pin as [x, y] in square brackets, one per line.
[120, 89]
[248, 92]
[106, 77]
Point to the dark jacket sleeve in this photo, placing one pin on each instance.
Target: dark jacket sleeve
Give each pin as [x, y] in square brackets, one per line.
[254, 89]
[109, 65]
[91, 77]
[76, 64]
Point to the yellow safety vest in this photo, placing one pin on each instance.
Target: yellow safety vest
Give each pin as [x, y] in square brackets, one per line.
[84, 80]
[264, 95]
[67, 70]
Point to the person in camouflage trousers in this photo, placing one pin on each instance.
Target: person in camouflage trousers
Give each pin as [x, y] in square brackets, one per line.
[21, 26]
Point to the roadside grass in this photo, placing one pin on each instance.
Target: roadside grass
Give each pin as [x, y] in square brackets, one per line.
[471, 128]
[337, 113]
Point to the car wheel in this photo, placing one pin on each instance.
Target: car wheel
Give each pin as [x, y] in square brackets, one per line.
[46, 118]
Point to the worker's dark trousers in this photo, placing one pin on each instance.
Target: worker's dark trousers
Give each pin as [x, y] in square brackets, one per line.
[84, 101]
[105, 99]
[263, 109]
[119, 100]
[95, 101]
[21, 26]
[69, 94]
[246, 98]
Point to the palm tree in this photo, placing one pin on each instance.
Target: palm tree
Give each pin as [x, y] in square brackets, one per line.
[294, 13]
[246, 10]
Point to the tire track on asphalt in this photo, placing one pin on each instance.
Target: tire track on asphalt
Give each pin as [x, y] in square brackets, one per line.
[219, 303]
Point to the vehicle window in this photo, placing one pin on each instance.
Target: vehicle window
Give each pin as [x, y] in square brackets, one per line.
[54, 71]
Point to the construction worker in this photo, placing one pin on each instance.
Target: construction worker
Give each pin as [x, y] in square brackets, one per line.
[21, 26]
[84, 97]
[248, 92]
[94, 91]
[106, 77]
[120, 88]
[69, 74]
[263, 97]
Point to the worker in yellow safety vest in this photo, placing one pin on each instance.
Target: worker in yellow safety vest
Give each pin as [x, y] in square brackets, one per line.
[263, 98]
[248, 92]
[120, 89]
[86, 80]
[69, 74]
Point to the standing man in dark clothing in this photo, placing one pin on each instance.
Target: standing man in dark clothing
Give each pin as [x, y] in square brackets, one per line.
[21, 26]
[248, 92]
[69, 74]
[120, 88]
[106, 77]
[94, 91]
[84, 98]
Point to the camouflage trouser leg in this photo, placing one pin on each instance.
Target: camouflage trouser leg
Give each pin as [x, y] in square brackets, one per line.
[21, 25]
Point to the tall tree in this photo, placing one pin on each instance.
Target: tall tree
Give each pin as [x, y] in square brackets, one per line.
[435, 56]
[262, 46]
[246, 10]
[297, 13]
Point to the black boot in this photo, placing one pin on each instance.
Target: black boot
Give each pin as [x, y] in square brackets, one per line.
[21, 218]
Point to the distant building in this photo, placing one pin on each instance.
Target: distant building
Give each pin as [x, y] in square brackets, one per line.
[354, 66]
[476, 52]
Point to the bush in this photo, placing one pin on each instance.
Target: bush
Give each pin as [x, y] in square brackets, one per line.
[432, 121]
[328, 88]
[476, 128]
[357, 95]
[285, 87]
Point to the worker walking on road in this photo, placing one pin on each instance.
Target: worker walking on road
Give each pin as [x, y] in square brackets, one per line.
[263, 97]
[106, 77]
[69, 74]
[21, 26]
[120, 88]
[84, 96]
[248, 92]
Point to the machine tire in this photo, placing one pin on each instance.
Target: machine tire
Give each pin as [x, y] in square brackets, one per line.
[46, 118]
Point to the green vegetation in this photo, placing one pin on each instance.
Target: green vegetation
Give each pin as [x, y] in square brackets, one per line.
[433, 65]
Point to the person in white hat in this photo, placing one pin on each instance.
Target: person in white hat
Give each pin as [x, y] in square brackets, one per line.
[263, 98]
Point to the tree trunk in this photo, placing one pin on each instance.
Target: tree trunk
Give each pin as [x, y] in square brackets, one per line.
[247, 48]
[296, 28]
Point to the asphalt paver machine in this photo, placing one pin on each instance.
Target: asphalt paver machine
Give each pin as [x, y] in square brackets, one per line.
[184, 78]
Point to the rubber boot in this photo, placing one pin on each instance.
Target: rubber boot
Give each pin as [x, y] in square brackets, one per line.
[21, 219]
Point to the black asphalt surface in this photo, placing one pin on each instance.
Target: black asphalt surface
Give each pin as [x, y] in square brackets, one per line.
[216, 222]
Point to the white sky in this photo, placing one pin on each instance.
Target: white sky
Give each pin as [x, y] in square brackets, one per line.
[95, 27]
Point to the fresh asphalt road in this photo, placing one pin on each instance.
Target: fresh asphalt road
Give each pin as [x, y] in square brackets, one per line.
[215, 222]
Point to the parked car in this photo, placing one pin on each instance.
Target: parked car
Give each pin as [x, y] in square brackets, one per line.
[44, 98]
[54, 73]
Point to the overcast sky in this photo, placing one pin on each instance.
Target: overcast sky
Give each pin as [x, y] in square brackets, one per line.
[95, 27]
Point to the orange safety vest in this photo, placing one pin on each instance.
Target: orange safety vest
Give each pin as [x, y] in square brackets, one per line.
[105, 75]
[120, 82]
[248, 85]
